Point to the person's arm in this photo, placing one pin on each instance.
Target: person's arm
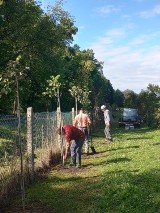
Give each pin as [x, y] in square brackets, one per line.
[75, 121]
[108, 123]
[66, 151]
[89, 121]
[67, 145]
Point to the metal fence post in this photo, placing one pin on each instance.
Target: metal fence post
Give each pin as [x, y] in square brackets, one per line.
[59, 125]
[30, 148]
[73, 115]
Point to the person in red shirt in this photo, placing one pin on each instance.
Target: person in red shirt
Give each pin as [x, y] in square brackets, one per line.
[75, 139]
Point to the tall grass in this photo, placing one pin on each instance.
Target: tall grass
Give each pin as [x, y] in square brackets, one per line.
[124, 176]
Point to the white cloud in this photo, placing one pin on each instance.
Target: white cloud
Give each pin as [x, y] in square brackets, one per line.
[81, 27]
[116, 32]
[150, 13]
[140, 40]
[105, 10]
[127, 67]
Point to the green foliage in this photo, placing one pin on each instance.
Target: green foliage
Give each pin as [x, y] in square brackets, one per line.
[130, 99]
[76, 92]
[84, 99]
[118, 98]
[53, 86]
[38, 41]
[149, 105]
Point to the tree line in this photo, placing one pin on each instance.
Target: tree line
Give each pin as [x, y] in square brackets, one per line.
[36, 47]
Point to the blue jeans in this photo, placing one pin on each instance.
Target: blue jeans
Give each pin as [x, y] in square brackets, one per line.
[76, 150]
[86, 141]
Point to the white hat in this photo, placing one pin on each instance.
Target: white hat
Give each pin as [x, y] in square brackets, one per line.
[103, 107]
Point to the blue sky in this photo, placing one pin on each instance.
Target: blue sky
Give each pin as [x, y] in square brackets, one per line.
[124, 34]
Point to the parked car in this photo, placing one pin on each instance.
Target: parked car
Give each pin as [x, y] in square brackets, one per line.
[130, 116]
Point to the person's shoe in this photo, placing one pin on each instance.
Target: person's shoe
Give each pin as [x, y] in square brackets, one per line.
[86, 153]
[78, 163]
[73, 161]
[109, 140]
[72, 164]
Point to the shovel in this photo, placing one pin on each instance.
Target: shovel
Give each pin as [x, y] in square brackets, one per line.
[92, 146]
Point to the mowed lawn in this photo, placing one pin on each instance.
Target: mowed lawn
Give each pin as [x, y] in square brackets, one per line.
[124, 176]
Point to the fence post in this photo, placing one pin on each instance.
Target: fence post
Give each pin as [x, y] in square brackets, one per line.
[59, 125]
[30, 148]
[73, 115]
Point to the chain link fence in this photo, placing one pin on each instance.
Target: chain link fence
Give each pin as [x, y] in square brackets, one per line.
[10, 154]
[40, 148]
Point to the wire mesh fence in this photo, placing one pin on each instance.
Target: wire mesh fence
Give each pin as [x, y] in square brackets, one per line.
[44, 148]
[10, 154]
[44, 138]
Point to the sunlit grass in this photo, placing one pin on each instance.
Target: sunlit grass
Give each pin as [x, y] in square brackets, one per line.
[124, 176]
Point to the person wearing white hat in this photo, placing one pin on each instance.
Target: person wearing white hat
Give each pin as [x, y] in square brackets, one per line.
[107, 120]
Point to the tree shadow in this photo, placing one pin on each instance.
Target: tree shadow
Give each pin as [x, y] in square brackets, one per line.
[128, 147]
[122, 171]
[118, 160]
[139, 138]
[117, 191]
[155, 144]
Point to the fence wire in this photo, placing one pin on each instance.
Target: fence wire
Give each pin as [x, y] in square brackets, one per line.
[44, 137]
[10, 154]
[44, 142]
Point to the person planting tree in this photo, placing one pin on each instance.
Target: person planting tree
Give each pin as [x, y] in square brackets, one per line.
[74, 139]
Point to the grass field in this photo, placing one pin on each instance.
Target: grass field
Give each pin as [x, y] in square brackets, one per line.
[124, 176]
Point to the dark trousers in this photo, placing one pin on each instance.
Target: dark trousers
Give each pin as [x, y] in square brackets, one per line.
[76, 151]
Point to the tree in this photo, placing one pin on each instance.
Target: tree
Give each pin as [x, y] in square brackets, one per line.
[53, 89]
[130, 99]
[149, 105]
[118, 98]
[40, 39]
[84, 98]
[76, 92]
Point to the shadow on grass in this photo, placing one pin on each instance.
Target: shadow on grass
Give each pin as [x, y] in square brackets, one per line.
[91, 153]
[124, 192]
[155, 144]
[122, 171]
[139, 138]
[128, 147]
[118, 160]
[103, 163]
[118, 191]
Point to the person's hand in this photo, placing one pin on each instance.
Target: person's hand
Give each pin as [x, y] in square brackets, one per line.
[64, 156]
[67, 146]
[108, 124]
[66, 151]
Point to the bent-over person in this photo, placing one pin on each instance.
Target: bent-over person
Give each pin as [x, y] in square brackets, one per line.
[74, 139]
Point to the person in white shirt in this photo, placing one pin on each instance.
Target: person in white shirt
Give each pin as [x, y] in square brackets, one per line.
[107, 120]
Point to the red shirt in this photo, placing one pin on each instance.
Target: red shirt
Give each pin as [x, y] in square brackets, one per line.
[73, 133]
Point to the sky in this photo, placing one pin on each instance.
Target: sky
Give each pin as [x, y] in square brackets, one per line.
[124, 34]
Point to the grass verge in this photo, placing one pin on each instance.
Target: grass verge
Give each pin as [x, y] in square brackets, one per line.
[124, 176]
